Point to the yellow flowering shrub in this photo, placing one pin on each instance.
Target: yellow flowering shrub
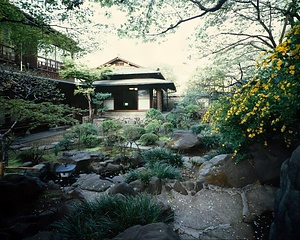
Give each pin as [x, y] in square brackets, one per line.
[266, 107]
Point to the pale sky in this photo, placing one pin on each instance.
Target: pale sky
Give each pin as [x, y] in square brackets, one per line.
[173, 51]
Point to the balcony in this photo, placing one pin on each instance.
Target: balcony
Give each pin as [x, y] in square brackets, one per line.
[42, 66]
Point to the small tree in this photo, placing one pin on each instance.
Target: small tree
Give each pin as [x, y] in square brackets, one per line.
[87, 77]
[99, 101]
[29, 97]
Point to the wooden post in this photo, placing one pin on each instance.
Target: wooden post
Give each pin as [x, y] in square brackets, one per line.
[159, 99]
[2, 168]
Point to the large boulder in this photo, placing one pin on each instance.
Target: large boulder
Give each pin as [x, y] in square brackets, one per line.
[157, 231]
[287, 204]
[184, 140]
[267, 161]
[92, 182]
[18, 193]
[264, 166]
[223, 171]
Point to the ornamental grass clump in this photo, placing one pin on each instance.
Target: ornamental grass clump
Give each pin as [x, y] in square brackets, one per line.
[108, 216]
[162, 155]
[267, 107]
[157, 169]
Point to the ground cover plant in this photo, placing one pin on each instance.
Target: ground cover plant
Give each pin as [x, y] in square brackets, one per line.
[106, 217]
[266, 107]
[157, 169]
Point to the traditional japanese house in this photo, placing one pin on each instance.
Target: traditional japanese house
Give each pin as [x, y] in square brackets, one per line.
[134, 88]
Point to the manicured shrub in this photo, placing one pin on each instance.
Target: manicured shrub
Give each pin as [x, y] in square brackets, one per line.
[162, 155]
[133, 132]
[153, 114]
[153, 127]
[166, 128]
[182, 117]
[110, 215]
[110, 125]
[90, 140]
[148, 139]
[64, 144]
[84, 129]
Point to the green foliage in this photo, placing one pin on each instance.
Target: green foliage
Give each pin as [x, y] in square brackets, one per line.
[44, 112]
[110, 125]
[27, 31]
[192, 110]
[165, 170]
[84, 129]
[82, 72]
[166, 128]
[148, 139]
[211, 141]
[87, 76]
[133, 132]
[137, 174]
[153, 114]
[33, 155]
[64, 144]
[29, 86]
[268, 106]
[197, 129]
[90, 140]
[153, 126]
[98, 99]
[110, 215]
[85, 133]
[183, 117]
[163, 155]
[156, 169]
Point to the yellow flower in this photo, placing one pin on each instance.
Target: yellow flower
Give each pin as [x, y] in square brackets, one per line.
[283, 128]
[266, 143]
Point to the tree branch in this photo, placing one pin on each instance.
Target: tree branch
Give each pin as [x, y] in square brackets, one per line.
[260, 37]
[202, 8]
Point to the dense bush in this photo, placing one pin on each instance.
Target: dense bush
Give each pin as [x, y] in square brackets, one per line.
[211, 141]
[33, 155]
[198, 128]
[133, 132]
[162, 155]
[81, 134]
[148, 139]
[110, 215]
[153, 114]
[153, 127]
[268, 106]
[166, 128]
[110, 125]
[183, 117]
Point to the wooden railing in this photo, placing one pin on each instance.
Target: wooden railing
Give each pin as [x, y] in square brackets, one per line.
[7, 53]
[44, 66]
[48, 67]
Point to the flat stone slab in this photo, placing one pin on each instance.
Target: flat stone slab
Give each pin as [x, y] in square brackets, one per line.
[216, 213]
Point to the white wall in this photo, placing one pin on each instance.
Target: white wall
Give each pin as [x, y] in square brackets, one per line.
[143, 100]
[109, 103]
